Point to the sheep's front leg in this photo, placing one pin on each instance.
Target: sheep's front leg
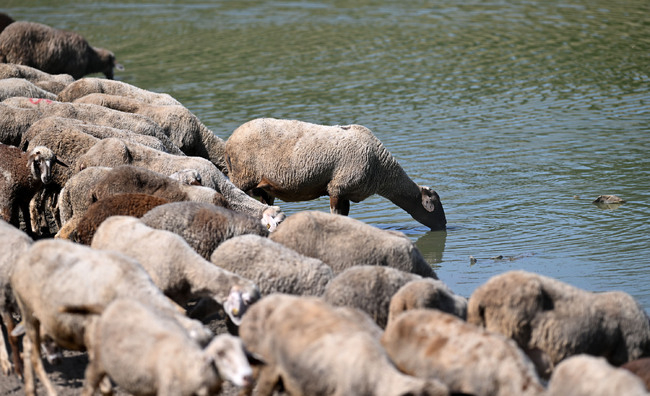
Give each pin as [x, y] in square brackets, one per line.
[13, 344]
[339, 205]
[32, 356]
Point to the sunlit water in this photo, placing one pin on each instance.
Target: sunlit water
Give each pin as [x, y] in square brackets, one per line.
[518, 114]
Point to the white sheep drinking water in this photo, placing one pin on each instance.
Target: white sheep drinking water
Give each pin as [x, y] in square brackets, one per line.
[299, 161]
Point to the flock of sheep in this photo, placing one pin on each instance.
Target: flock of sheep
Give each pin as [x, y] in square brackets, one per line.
[131, 231]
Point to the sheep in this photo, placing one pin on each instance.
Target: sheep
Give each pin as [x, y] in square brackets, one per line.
[14, 121]
[368, 288]
[90, 85]
[19, 113]
[428, 343]
[75, 198]
[15, 243]
[552, 320]
[183, 128]
[203, 225]
[343, 242]
[5, 20]
[10, 87]
[55, 273]
[147, 352]
[272, 266]
[22, 175]
[584, 375]
[640, 368]
[188, 176]
[135, 205]
[298, 161]
[115, 152]
[312, 348]
[54, 51]
[180, 272]
[427, 293]
[53, 83]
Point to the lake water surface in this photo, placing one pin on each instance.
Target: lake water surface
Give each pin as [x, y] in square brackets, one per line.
[518, 113]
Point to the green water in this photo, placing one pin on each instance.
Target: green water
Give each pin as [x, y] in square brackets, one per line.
[508, 109]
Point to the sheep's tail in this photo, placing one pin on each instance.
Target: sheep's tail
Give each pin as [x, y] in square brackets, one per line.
[83, 309]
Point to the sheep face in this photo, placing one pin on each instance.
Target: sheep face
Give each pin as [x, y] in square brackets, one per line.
[228, 355]
[106, 63]
[40, 163]
[238, 302]
[430, 213]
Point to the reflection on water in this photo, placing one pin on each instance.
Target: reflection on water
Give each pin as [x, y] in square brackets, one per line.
[507, 109]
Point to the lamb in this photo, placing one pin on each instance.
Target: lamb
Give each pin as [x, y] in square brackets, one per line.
[54, 51]
[90, 85]
[427, 293]
[15, 243]
[298, 161]
[115, 152]
[368, 288]
[183, 128]
[552, 320]
[584, 375]
[431, 344]
[55, 273]
[342, 242]
[175, 267]
[312, 348]
[147, 352]
[53, 83]
[10, 87]
[15, 117]
[272, 266]
[135, 205]
[203, 225]
[23, 174]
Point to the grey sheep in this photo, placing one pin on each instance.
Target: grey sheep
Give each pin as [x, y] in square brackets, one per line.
[298, 161]
[90, 85]
[55, 273]
[552, 320]
[431, 344]
[584, 375]
[135, 205]
[313, 348]
[180, 272]
[147, 352]
[115, 152]
[53, 83]
[11, 87]
[15, 117]
[343, 242]
[54, 51]
[368, 288]
[14, 243]
[203, 225]
[272, 266]
[183, 128]
[427, 293]
[22, 175]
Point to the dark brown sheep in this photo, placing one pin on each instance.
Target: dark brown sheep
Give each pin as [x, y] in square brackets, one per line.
[54, 51]
[5, 20]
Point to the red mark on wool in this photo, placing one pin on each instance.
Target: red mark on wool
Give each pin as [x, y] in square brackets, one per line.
[38, 100]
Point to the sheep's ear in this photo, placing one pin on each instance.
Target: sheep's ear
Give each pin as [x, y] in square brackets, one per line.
[254, 359]
[430, 198]
[58, 161]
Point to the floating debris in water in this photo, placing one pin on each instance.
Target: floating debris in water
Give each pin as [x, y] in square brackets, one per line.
[472, 260]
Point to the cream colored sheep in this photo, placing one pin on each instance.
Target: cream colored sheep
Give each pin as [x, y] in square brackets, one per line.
[312, 348]
[55, 273]
[89, 85]
[343, 242]
[50, 82]
[147, 352]
[181, 273]
[299, 161]
[10, 87]
[584, 375]
[427, 293]
[431, 344]
[552, 320]
[273, 267]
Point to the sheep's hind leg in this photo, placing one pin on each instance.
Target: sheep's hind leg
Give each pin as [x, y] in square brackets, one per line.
[339, 205]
